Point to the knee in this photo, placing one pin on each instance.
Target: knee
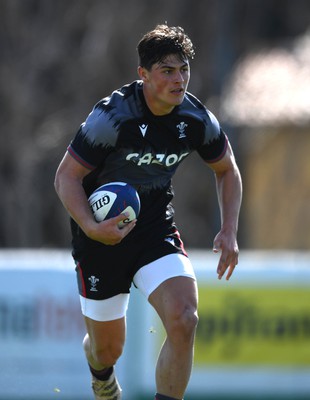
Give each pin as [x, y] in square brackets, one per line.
[182, 323]
[105, 355]
[109, 355]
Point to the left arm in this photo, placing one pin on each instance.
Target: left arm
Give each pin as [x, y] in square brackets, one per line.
[229, 191]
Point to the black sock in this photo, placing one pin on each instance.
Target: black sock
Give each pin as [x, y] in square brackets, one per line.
[163, 397]
[102, 375]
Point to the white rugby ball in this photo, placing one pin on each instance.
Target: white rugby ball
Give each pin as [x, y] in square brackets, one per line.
[115, 198]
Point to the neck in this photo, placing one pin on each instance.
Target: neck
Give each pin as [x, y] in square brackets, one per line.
[154, 106]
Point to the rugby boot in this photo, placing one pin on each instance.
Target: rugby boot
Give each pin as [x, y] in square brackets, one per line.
[106, 390]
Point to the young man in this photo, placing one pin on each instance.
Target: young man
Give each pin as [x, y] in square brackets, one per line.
[139, 135]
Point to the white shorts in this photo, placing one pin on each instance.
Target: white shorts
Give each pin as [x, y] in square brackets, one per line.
[147, 279]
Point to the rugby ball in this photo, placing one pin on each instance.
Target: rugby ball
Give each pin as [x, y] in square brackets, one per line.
[112, 199]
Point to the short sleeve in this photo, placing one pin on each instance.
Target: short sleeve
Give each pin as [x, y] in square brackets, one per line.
[214, 150]
[214, 142]
[94, 139]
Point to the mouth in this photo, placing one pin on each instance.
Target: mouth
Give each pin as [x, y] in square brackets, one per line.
[178, 91]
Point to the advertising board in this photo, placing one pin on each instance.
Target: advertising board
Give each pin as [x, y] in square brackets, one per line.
[253, 335]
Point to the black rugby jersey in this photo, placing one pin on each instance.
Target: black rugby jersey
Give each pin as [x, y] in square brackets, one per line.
[121, 140]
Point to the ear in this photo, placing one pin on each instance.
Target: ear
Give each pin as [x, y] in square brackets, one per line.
[143, 74]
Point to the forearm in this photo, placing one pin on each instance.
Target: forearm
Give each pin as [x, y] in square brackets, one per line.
[72, 195]
[68, 185]
[229, 191]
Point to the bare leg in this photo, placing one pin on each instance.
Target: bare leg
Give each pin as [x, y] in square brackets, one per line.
[103, 345]
[175, 301]
[104, 342]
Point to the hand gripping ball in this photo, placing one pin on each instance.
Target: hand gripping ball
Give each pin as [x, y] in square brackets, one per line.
[114, 198]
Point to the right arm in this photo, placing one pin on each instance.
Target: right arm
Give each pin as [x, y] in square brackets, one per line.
[68, 185]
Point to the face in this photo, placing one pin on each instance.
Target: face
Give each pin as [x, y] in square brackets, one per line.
[164, 86]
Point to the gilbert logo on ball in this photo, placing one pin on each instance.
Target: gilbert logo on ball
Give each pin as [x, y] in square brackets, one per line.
[115, 198]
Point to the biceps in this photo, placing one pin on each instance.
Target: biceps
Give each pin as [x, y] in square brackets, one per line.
[71, 169]
[225, 164]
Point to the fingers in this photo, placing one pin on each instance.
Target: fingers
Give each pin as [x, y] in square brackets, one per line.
[228, 259]
[226, 244]
[222, 271]
[113, 230]
[229, 263]
[124, 223]
[230, 271]
[120, 217]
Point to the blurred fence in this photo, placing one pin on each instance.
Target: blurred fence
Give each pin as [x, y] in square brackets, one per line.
[253, 338]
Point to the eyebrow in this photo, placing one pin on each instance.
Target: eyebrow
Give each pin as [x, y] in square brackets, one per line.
[163, 66]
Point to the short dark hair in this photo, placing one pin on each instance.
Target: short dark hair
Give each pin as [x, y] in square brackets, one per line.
[162, 41]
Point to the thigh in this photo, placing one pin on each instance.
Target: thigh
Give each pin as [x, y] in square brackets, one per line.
[105, 310]
[104, 334]
[175, 296]
[151, 276]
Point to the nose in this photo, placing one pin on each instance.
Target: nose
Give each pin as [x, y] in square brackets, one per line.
[179, 76]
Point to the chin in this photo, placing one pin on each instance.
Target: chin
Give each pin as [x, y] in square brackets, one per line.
[179, 101]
